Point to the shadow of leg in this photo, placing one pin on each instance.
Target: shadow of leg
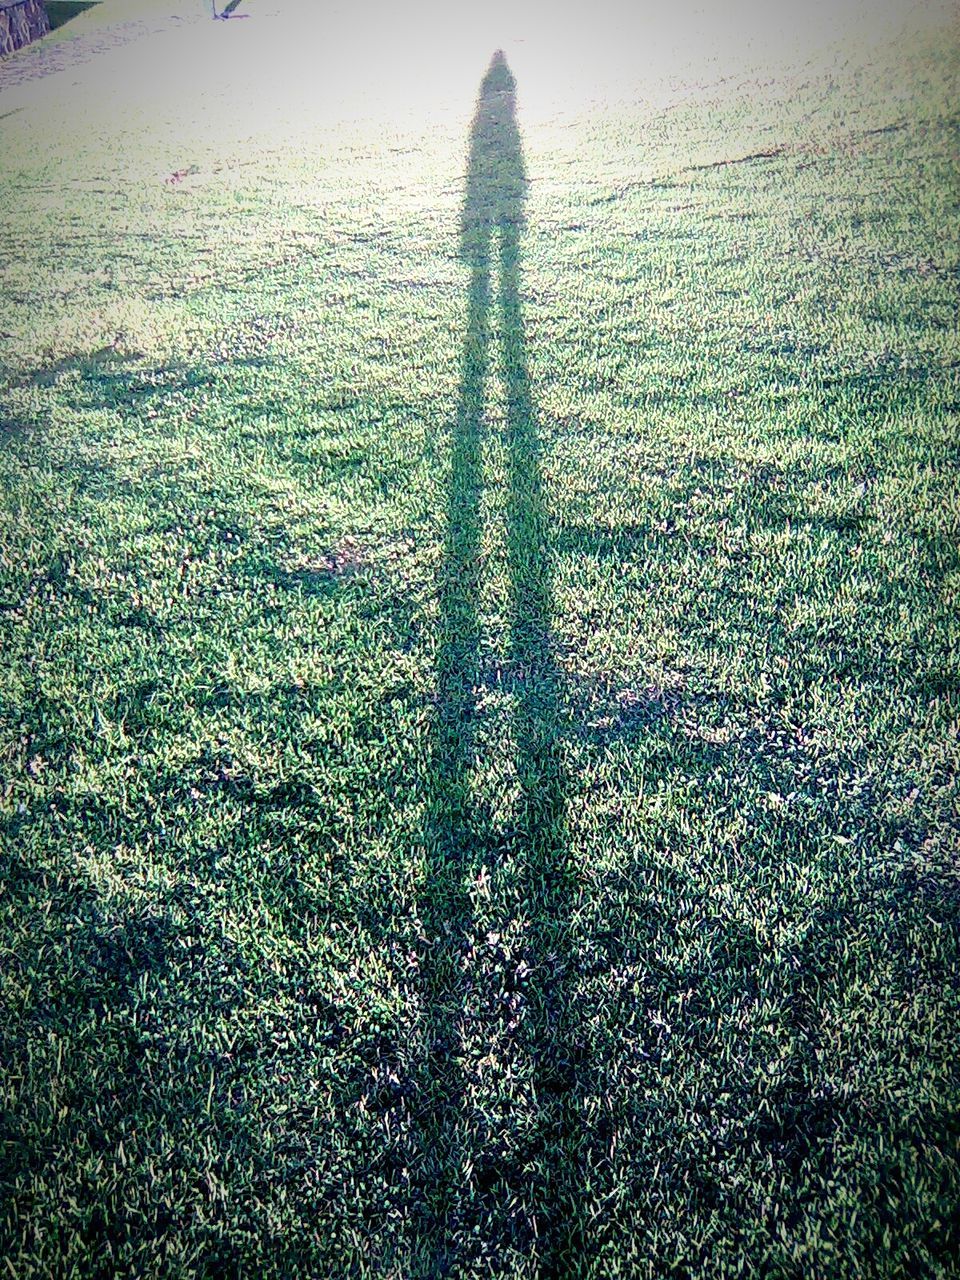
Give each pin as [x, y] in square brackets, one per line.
[554, 1043]
[451, 825]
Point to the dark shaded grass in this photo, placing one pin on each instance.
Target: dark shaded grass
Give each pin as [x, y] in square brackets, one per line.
[61, 11]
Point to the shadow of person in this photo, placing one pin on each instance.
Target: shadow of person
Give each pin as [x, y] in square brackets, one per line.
[520, 1196]
[496, 183]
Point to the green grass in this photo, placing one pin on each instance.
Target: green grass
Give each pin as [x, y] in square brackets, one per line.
[480, 700]
[61, 12]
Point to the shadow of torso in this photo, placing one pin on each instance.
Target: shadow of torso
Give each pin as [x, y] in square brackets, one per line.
[496, 179]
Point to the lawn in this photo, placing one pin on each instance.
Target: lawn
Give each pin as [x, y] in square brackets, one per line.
[479, 719]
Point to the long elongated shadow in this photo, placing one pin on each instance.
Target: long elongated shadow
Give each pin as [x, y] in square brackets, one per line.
[528, 1196]
[452, 828]
[553, 1038]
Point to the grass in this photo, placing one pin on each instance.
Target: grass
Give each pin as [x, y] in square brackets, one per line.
[481, 692]
[60, 12]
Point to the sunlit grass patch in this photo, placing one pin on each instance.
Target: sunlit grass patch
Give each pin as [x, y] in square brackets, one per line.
[479, 756]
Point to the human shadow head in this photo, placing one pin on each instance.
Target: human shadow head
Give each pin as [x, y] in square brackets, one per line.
[499, 77]
[496, 178]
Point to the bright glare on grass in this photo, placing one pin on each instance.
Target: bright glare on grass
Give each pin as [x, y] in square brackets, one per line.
[285, 67]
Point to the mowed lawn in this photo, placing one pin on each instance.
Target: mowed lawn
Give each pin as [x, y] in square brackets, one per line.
[480, 688]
